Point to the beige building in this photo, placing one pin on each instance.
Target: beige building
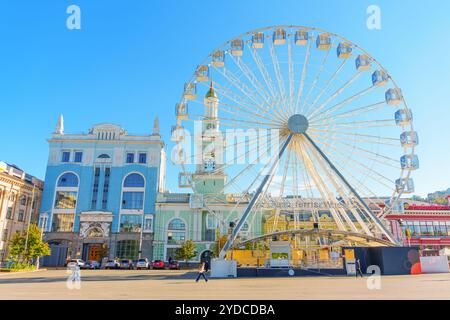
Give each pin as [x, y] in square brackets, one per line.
[20, 199]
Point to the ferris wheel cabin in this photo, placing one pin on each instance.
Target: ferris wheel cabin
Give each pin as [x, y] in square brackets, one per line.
[237, 47]
[363, 63]
[394, 97]
[410, 162]
[258, 40]
[323, 41]
[202, 73]
[177, 133]
[218, 59]
[379, 78]
[409, 139]
[279, 37]
[301, 37]
[190, 91]
[344, 50]
[181, 111]
[405, 185]
[403, 117]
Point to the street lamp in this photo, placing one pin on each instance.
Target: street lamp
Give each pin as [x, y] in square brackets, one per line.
[29, 218]
[44, 217]
[141, 235]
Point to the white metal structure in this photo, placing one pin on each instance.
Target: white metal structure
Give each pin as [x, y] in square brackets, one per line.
[345, 132]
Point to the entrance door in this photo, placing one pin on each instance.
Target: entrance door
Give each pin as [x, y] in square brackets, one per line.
[95, 252]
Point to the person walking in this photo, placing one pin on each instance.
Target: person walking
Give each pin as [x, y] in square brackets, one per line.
[358, 268]
[201, 272]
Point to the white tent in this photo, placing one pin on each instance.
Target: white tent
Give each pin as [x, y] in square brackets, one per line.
[445, 252]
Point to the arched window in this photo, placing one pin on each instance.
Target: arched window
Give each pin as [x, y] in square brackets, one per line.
[104, 156]
[133, 192]
[68, 179]
[176, 231]
[134, 180]
[65, 202]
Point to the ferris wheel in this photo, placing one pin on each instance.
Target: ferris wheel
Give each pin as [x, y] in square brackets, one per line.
[343, 132]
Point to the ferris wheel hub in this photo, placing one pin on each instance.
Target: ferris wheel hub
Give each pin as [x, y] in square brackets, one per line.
[298, 124]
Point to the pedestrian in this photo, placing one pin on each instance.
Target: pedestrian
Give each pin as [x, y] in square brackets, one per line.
[170, 260]
[201, 272]
[358, 268]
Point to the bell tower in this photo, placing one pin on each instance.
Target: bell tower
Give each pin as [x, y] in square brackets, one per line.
[209, 177]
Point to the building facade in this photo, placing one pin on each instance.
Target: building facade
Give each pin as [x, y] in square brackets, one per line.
[100, 192]
[423, 225]
[20, 199]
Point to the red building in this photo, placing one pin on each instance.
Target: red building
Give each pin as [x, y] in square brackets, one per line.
[428, 225]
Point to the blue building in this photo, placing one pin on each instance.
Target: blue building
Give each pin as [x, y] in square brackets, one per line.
[99, 194]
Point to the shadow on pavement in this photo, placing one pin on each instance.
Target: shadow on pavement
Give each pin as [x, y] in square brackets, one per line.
[103, 277]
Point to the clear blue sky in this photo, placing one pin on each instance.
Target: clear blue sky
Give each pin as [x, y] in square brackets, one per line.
[130, 59]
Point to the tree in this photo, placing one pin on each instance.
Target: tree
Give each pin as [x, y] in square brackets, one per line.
[186, 251]
[25, 250]
[220, 243]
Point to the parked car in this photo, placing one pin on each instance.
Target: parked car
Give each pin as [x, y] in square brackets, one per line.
[142, 264]
[92, 265]
[75, 262]
[158, 264]
[174, 265]
[126, 264]
[112, 264]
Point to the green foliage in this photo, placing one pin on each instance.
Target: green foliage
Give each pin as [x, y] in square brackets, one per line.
[220, 243]
[186, 251]
[23, 251]
[19, 266]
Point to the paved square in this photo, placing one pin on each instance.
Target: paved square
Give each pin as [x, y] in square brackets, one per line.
[168, 284]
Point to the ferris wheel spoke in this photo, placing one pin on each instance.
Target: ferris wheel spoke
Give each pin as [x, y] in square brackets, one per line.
[291, 78]
[343, 103]
[245, 113]
[363, 168]
[352, 134]
[378, 155]
[357, 182]
[352, 113]
[278, 76]
[320, 184]
[276, 98]
[238, 84]
[327, 85]
[239, 101]
[361, 124]
[369, 155]
[339, 189]
[302, 80]
[316, 79]
[264, 94]
[364, 207]
[263, 71]
[356, 139]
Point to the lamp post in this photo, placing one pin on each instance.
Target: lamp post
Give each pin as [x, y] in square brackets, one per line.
[29, 218]
[141, 235]
[43, 226]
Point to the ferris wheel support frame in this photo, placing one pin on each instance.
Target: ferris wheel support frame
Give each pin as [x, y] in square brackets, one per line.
[266, 179]
[352, 190]
[254, 200]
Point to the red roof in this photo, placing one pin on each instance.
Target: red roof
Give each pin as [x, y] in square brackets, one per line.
[431, 207]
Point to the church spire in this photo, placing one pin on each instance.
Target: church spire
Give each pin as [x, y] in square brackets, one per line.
[60, 125]
[211, 93]
[156, 126]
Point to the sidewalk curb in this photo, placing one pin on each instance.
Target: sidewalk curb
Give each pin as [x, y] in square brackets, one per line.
[21, 272]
